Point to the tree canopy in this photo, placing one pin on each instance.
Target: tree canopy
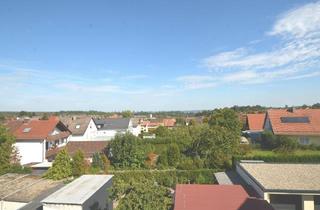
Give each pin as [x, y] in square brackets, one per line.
[6, 148]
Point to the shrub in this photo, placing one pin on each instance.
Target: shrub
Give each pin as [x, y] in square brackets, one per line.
[78, 164]
[61, 167]
[285, 144]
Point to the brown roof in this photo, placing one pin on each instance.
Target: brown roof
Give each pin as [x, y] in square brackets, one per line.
[169, 122]
[255, 121]
[309, 127]
[13, 125]
[35, 129]
[87, 147]
[77, 125]
[216, 197]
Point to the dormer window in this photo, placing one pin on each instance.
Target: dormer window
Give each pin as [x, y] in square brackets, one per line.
[77, 126]
[26, 130]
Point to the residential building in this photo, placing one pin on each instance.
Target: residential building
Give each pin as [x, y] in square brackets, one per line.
[86, 192]
[284, 186]
[108, 128]
[216, 197]
[300, 124]
[254, 126]
[34, 137]
[82, 128]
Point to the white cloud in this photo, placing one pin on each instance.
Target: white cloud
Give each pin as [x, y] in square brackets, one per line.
[297, 55]
[197, 81]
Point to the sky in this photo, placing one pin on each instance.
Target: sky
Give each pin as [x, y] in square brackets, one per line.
[158, 55]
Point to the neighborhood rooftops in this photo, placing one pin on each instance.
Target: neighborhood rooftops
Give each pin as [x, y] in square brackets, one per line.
[282, 177]
[294, 121]
[112, 124]
[77, 125]
[216, 197]
[255, 121]
[78, 191]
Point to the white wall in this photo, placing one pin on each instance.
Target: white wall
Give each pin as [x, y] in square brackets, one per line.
[31, 151]
[61, 207]
[136, 130]
[8, 205]
[90, 133]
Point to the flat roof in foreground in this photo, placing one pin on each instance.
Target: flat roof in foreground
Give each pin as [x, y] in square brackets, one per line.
[284, 177]
[24, 187]
[78, 191]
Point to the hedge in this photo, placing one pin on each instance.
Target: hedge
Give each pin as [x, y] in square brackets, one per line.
[290, 158]
[170, 178]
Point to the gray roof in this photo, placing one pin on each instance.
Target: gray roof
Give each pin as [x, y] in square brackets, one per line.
[78, 191]
[25, 188]
[284, 177]
[113, 124]
[77, 125]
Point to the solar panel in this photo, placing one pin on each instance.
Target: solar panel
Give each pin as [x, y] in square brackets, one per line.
[294, 119]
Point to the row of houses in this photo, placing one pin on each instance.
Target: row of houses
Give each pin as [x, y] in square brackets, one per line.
[255, 185]
[40, 140]
[300, 124]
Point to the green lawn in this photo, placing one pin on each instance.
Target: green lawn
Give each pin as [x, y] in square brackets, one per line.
[257, 152]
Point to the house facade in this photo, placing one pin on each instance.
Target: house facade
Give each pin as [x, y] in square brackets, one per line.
[34, 138]
[109, 128]
[82, 128]
[300, 124]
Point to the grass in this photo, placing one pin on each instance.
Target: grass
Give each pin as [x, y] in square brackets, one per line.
[257, 152]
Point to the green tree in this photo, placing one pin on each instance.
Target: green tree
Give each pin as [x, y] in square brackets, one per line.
[61, 167]
[216, 145]
[173, 155]
[125, 151]
[126, 114]
[162, 131]
[106, 163]
[44, 117]
[163, 160]
[226, 118]
[78, 164]
[97, 161]
[6, 147]
[141, 194]
[286, 144]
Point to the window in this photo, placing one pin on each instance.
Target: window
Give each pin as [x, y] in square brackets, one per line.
[77, 126]
[26, 130]
[304, 140]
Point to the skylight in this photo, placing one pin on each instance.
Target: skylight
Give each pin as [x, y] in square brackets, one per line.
[295, 119]
[77, 126]
[26, 130]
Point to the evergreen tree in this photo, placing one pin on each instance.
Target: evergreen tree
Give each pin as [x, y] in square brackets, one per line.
[6, 142]
[97, 161]
[78, 164]
[61, 167]
[173, 155]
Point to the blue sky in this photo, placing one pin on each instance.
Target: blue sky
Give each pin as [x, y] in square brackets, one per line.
[158, 55]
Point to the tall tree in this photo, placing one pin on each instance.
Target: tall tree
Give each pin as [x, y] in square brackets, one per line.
[173, 155]
[6, 147]
[61, 167]
[78, 164]
[124, 151]
[126, 114]
[226, 118]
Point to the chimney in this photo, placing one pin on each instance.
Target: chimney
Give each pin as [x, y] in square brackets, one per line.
[291, 109]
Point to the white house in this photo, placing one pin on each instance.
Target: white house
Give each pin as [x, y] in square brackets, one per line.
[34, 138]
[82, 128]
[108, 128]
[86, 192]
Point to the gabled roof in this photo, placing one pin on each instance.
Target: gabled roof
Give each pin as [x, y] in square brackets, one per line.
[216, 197]
[255, 121]
[295, 122]
[169, 122]
[77, 125]
[36, 129]
[112, 124]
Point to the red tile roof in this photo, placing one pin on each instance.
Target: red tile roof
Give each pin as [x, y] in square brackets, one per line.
[169, 122]
[280, 128]
[35, 129]
[255, 121]
[216, 197]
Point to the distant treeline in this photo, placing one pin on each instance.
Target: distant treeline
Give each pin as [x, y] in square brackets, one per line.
[158, 114]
